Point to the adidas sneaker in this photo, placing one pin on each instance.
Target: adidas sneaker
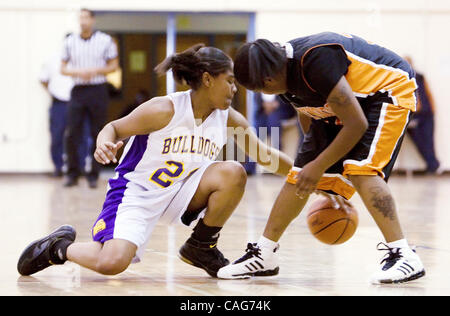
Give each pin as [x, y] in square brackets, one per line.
[258, 261]
[398, 265]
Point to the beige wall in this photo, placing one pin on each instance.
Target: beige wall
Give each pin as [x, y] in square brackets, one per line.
[31, 30]
[28, 38]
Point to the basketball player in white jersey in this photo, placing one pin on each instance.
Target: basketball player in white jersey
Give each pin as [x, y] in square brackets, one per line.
[168, 173]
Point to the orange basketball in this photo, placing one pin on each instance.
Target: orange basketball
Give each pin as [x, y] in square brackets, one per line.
[329, 225]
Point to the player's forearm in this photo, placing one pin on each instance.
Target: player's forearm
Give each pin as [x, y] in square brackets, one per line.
[285, 164]
[270, 158]
[274, 160]
[347, 108]
[345, 140]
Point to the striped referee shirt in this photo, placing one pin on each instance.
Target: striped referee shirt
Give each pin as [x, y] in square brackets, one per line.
[93, 52]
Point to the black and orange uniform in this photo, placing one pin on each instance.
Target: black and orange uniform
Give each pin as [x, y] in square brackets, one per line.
[384, 85]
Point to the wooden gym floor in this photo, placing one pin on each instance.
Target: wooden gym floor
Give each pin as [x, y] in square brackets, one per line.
[33, 205]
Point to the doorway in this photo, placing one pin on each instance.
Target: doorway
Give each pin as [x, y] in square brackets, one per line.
[142, 40]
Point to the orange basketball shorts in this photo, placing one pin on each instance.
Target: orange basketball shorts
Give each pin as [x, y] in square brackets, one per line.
[374, 154]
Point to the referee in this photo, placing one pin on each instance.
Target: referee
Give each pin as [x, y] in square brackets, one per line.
[87, 57]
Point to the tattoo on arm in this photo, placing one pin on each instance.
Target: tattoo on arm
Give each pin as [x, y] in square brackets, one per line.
[384, 203]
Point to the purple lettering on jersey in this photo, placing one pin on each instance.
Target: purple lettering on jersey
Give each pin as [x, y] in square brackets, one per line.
[167, 143]
[206, 151]
[192, 145]
[175, 142]
[184, 150]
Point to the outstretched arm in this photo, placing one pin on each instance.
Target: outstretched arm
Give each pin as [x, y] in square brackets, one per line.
[274, 160]
[146, 118]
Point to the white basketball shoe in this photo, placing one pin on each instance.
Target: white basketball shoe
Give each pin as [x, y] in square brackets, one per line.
[258, 261]
[398, 265]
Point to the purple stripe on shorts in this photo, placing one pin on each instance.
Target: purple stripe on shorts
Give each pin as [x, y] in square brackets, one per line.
[103, 228]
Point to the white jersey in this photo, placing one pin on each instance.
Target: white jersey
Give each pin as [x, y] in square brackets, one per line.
[158, 174]
[160, 159]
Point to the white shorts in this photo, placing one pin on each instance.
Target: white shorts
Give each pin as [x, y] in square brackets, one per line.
[131, 213]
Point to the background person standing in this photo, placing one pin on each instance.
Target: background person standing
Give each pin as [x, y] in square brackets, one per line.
[87, 57]
[59, 87]
[421, 127]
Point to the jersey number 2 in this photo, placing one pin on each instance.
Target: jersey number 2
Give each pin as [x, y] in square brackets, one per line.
[174, 170]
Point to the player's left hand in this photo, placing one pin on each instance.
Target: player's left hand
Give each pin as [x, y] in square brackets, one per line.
[307, 179]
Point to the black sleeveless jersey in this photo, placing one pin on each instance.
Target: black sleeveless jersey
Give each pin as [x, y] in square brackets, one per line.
[317, 62]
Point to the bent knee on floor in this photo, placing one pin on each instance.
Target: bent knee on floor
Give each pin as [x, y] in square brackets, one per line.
[112, 265]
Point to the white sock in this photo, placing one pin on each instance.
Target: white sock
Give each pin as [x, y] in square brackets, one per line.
[267, 243]
[401, 243]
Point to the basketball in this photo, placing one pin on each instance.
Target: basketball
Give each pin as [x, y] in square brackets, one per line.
[329, 225]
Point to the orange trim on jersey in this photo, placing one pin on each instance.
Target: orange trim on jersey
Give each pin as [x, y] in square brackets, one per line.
[365, 77]
[306, 53]
[392, 125]
[327, 183]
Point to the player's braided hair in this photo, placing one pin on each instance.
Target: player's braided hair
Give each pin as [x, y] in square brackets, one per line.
[188, 66]
[256, 61]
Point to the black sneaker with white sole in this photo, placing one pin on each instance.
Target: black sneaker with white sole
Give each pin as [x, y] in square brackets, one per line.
[38, 255]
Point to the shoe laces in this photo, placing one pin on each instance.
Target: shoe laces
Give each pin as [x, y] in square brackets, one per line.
[252, 251]
[391, 257]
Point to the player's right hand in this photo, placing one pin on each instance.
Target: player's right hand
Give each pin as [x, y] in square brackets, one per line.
[106, 152]
[337, 201]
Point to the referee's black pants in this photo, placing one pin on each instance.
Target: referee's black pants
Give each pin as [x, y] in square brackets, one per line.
[87, 102]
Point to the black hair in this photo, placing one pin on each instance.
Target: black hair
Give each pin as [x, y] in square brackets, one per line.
[256, 61]
[91, 13]
[188, 66]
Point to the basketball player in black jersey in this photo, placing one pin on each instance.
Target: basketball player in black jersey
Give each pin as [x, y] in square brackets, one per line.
[354, 101]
